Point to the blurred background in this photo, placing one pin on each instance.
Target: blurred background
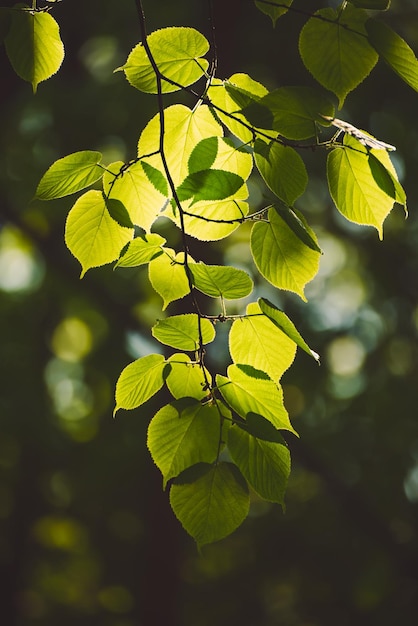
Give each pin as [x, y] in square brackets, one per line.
[87, 536]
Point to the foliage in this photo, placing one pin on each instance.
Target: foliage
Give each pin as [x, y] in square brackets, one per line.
[222, 435]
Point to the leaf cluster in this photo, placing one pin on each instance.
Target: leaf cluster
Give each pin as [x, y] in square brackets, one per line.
[222, 435]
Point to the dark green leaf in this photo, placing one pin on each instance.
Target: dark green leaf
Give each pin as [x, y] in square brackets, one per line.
[209, 185]
[155, 177]
[118, 212]
[203, 155]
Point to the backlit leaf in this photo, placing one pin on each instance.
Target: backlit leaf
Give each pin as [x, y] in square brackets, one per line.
[203, 155]
[356, 193]
[91, 234]
[33, 45]
[69, 175]
[282, 169]
[220, 94]
[141, 250]
[182, 434]
[255, 340]
[184, 129]
[182, 331]
[139, 381]
[214, 505]
[249, 390]
[168, 276]
[280, 319]
[395, 51]
[281, 256]
[264, 464]
[177, 51]
[336, 51]
[219, 280]
[135, 191]
[185, 378]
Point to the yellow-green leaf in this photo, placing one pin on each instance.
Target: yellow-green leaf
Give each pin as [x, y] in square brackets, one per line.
[139, 381]
[70, 174]
[92, 236]
[34, 45]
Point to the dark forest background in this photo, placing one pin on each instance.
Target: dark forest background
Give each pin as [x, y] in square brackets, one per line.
[87, 536]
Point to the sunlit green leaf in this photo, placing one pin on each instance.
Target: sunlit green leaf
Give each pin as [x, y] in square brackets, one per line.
[280, 319]
[356, 193]
[132, 187]
[141, 250]
[219, 280]
[69, 175]
[214, 505]
[335, 49]
[281, 256]
[177, 51]
[182, 331]
[91, 234]
[297, 225]
[254, 340]
[264, 464]
[395, 51]
[220, 94]
[282, 169]
[168, 276]
[184, 128]
[273, 11]
[33, 45]
[139, 381]
[186, 379]
[249, 390]
[182, 434]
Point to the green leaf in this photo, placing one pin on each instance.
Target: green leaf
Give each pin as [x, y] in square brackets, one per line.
[91, 234]
[221, 93]
[291, 111]
[353, 187]
[209, 185]
[168, 276]
[221, 281]
[156, 178]
[265, 465]
[69, 175]
[139, 381]
[249, 390]
[395, 51]
[118, 212]
[132, 187]
[203, 155]
[186, 379]
[214, 505]
[182, 434]
[336, 51]
[377, 5]
[183, 129]
[255, 340]
[273, 11]
[182, 331]
[141, 250]
[280, 319]
[177, 51]
[33, 45]
[282, 169]
[281, 256]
